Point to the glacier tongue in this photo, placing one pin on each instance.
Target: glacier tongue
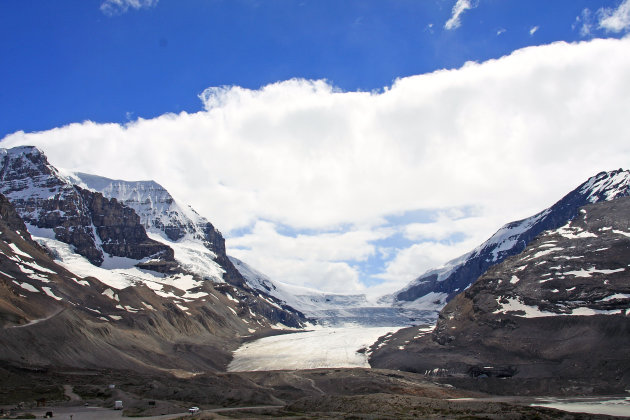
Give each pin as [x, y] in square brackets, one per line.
[318, 348]
[334, 309]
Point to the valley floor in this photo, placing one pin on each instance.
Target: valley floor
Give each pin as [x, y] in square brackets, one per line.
[297, 394]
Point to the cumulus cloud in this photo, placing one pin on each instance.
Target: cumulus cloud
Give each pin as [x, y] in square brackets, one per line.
[458, 9]
[615, 20]
[316, 260]
[303, 178]
[418, 258]
[118, 7]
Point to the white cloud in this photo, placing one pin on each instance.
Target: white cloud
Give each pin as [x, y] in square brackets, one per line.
[445, 226]
[616, 20]
[584, 22]
[533, 30]
[418, 258]
[507, 137]
[118, 7]
[458, 9]
[501, 31]
[316, 260]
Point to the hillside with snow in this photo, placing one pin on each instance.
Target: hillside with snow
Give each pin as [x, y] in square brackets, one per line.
[558, 311]
[438, 286]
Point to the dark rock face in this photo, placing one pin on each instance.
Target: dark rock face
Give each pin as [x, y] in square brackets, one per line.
[160, 213]
[157, 209]
[512, 238]
[120, 230]
[88, 221]
[560, 309]
[10, 217]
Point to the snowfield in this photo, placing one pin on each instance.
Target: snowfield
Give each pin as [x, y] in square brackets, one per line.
[320, 348]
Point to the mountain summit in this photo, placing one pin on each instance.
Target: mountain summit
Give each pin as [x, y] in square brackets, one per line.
[94, 225]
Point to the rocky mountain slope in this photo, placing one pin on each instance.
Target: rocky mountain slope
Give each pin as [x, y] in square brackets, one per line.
[199, 247]
[50, 316]
[557, 314]
[442, 284]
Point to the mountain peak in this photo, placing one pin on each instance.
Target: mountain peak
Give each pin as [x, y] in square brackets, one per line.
[22, 150]
[606, 185]
[98, 183]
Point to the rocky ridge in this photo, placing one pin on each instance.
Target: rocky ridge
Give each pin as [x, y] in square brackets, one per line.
[557, 312]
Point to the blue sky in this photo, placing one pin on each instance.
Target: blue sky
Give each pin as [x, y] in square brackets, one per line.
[67, 61]
[322, 137]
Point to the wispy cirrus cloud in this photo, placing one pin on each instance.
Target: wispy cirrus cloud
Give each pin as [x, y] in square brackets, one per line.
[458, 9]
[615, 20]
[604, 19]
[585, 22]
[118, 7]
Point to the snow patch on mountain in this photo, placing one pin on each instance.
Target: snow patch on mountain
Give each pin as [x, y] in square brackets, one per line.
[121, 276]
[514, 306]
[165, 221]
[193, 256]
[607, 188]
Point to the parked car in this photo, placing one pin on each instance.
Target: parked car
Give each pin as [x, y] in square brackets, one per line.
[193, 410]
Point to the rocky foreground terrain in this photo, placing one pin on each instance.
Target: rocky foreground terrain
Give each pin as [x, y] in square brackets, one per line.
[310, 394]
[555, 318]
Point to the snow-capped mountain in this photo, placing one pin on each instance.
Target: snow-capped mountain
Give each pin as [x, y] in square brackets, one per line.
[95, 236]
[199, 247]
[559, 310]
[331, 309]
[52, 316]
[437, 286]
[96, 227]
